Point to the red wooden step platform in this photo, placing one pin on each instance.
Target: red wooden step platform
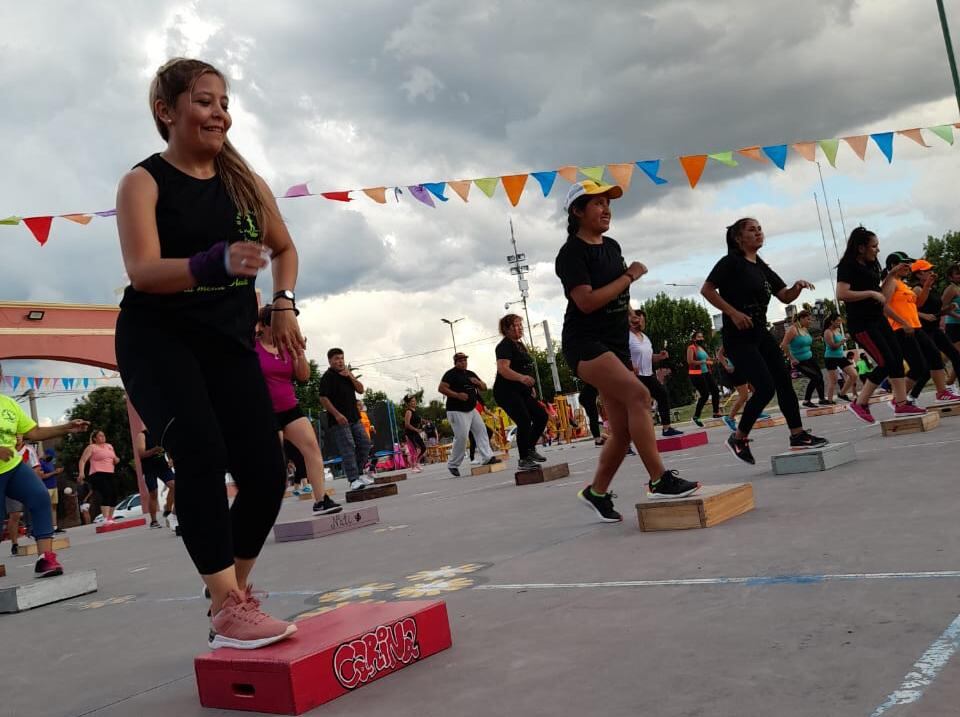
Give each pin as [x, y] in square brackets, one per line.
[678, 443]
[330, 655]
[122, 525]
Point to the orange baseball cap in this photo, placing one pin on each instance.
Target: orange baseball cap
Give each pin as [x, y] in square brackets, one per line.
[921, 265]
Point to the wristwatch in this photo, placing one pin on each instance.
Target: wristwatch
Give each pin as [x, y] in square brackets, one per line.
[285, 294]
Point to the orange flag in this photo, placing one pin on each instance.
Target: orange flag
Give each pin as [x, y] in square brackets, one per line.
[858, 144]
[461, 187]
[753, 153]
[513, 185]
[694, 166]
[569, 173]
[622, 174]
[916, 135]
[78, 218]
[807, 150]
[377, 194]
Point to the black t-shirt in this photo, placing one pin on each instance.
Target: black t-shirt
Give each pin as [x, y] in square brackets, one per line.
[340, 392]
[594, 265]
[154, 465]
[459, 380]
[520, 361]
[415, 419]
[747, 287]
[192, 215]
[861, 277]
[931, 306]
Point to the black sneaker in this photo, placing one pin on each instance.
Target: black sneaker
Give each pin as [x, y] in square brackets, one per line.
[826, 402]
[493, 461]
[166, 513]
[14, 549]
[809, 404]
[807, 440]
[696, 419]
[327, 506]
[59, 531]
[740, 447]
[844, 397]
[534, 456]
[527, 464]
[671, 485]
[455, 472]
[602, 505]
[155, 524]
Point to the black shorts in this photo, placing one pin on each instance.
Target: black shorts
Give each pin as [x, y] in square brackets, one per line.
[151, 478]
[285, 418]
[953, 332]
[574, 353]
[832, 364]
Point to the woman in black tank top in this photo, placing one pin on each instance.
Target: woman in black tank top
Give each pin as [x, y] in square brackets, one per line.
[195, 225]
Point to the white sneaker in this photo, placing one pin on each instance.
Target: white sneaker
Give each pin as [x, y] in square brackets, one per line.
[367, 480]
[358, 484]
[475, 462]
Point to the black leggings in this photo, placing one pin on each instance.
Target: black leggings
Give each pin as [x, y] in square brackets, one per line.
[941, 341]
[659, 394]
[761, 363]
[811, 369]
[588, 399]
[204, 397]
[105, 486]
[417, 440]
[707, 388]
[526, 412]
[877, 339]
[921, 355]
[473, 444]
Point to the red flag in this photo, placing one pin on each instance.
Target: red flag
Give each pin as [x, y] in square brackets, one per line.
[337, 196]
[40, 226]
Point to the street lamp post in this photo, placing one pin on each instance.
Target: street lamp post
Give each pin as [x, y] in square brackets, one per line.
[452, 335]
[949, 44]
[518, 269]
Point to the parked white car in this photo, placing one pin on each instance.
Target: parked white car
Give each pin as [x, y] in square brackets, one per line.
[129, 507]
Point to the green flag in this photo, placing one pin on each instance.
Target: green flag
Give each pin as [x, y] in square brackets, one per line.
[830, 147]
[724, 158]
[595, 173]
[487, 185]
[944, 132]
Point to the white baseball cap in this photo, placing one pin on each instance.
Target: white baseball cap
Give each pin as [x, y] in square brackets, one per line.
[588, 186]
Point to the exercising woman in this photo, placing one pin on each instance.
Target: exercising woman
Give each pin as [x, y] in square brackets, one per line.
[412, 422]
[596, 282]
[699, 368]
[643, 359]
[734, 380]
[930, 309]
[514, 392]
[195, 223]
[740, 285]
[835, 359]
[102, 472]
[950, 301]
[797, 346]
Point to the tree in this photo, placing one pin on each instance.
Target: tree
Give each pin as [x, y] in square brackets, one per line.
[106, 409]
[942, 252]
[568, 382]
[308, 392]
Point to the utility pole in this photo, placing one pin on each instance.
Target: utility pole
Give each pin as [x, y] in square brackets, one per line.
[551, 357]
[452, 335]
[949, 43]
[518, 269]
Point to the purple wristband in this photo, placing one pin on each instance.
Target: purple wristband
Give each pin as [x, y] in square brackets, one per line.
[209, 268]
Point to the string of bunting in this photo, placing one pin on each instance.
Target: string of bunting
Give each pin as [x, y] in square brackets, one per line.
[693, 165]
[66, 383]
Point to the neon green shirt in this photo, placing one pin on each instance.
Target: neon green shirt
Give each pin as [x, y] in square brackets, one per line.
[13, 422]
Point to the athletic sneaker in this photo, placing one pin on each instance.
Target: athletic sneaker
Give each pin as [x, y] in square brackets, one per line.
[671, 431]
[366, 480]
[731, 424]
[844, 397]
[947, 396]
[240, 623]
[48, 566]
[527, 464]
[861, 412]
[740, 447]
[908, 409]
[763, 417]
[696, 419]
[307, 489]
[809, 404]
[807, 440]
[601, 505]
[534, 456]
[14, 549]
[493, 461]
[671, 485]
[826, 402]
[357, 485]
[60, 531]
[455, 472]
[295, 492]
[327, 506]
[155, 524]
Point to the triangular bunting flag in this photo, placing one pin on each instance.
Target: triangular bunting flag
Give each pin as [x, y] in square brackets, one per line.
[488, 185]
[78, 218]
[513, 185]
[807, 150]
[651, 167]
[724, 158]
[10, 221]
[107, 213]
[31, 382]
[546, 180]
[421, 194]
[916, 135]
[594, 173]
[568, 173]
[622, 174]
[86, 383]
[752, 152]
[436, 189]
[943, 131]
[884, 141]
[830, 147]
[15, 382]
[337, 196]
[377, 194]
[693, 165]
[858, 143]
[297, 190]
[40, 227]
[461, 187]
[777, 154]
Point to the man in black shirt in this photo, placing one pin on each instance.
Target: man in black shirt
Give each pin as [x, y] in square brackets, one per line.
[338, 389]
[462, 387]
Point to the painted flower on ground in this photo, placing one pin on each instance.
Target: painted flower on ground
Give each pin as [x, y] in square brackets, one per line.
[445, 573]
[320, 610]
[433, 588]
[119, 600]
[361, 592]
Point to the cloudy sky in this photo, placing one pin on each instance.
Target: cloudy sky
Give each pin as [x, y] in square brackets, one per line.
[373, 93]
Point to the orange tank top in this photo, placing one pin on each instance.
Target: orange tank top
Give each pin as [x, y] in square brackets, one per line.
[904, 303]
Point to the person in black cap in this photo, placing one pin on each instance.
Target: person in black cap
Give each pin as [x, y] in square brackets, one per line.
[461, 387]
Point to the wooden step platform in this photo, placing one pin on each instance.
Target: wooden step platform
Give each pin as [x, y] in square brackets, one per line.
[709, 506]
[3, 570]
[329, 655]
[39, 592]
[910, 424]
[382, 478]
[60, 542]
[826, 410]
[811, 460]
[371, 492]
[122, 524]
[679, 443]
[320, 526]
[712, 422]
[542, 474]
[777, 420]
[946, 410]
[483, 470]
[880, 398]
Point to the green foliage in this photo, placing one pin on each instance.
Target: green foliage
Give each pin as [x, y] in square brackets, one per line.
[106, 409]
[308, 392]
[942, 252]
[568, 382]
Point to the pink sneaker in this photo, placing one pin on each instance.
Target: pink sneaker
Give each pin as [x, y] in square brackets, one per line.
[908, 409]
[241, 624]
[947, 396]
[48, 566]
[861, 412]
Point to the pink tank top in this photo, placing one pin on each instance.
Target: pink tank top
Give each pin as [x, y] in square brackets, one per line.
[279, 376]
[101, 458]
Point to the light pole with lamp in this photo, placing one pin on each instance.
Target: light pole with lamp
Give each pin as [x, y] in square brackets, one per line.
[452, 336]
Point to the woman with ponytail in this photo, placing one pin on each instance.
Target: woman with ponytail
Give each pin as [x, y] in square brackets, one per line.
[797, 346]
[196, 225]
[740, 285]
[596, 281]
